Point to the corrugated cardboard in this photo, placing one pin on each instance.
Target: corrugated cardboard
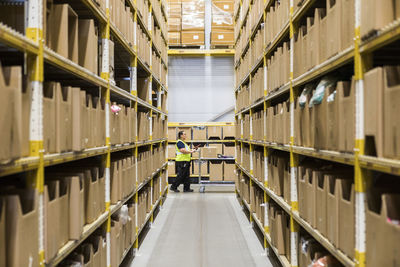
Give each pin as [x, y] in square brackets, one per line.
[320, 198]
[311, 185]
[216, 171]
[199, 133]
[171, 168]
[174, 10]
[10, 110]
[22, 228]
[334, 38]
[208, 152]
[332, 211]
[174, 24]
[382, 235]
[229, 150]
[346, 97]
[88, 47]
[347, 217]
[218, 147]
[373, 103]
[171, 151]
[76, 206]
[143, 88]
[347, 33]
[229, 171]
[225, 6]
[332, 111]
[228, 131]
[193, 38]
[200, 164]
[214, 132]
[376, 14]
[391, 105]
[222, 38]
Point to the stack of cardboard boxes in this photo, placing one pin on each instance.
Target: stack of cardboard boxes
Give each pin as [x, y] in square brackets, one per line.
[193, 22]
[174, 22]
[278, 123]
[222, 32]
[278, 66]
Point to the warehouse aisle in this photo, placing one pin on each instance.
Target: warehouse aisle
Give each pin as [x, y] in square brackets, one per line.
[202, 230]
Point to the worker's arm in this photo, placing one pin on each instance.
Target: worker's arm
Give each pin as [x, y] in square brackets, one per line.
[184, 151]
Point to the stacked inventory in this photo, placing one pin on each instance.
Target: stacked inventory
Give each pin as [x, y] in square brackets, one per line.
[214, 162]
[312, 146]
[222, 23]
[84, 130]
[186, 22]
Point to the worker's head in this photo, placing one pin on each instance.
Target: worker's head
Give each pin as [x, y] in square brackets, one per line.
[182, 135]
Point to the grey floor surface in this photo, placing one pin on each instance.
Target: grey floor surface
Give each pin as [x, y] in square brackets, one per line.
[201, 229]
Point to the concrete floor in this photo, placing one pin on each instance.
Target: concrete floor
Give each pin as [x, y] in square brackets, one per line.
[201, 229]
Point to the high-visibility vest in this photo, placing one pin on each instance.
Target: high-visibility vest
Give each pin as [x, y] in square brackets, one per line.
[179, 155]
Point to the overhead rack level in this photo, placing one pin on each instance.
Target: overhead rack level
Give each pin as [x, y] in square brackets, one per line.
[90, 83]
[275, 63]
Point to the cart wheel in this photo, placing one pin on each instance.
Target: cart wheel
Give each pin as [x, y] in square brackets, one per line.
[202, 189]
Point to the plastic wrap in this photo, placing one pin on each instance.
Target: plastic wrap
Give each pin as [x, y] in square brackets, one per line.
[174, 38]
[319, 93]
[307, 92]
[174, 10]
[193, 16]
[221, 19]
[174, 24]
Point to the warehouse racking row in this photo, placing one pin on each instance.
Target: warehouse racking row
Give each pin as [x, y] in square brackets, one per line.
[274, 66]
[114, 107]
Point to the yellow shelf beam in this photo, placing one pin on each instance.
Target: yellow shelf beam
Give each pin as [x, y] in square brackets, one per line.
[200, 52]
[16, 40]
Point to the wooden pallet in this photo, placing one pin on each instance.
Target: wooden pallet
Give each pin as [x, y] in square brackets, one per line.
[221, 46]
[186, 47]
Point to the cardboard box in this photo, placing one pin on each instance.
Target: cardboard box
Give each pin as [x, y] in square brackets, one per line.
[391, 99]
[56, 221]
[62, 31]
[174, 10]
[218, 147]
[172, 133]
[216, 171]
[222, 22]
[143, 88]
[214, 132]
[208, 152]
[347, 217]
[376, 14]
[346, 98]
[193, 38]
[334, 15]
[200, 164]
[76, 206]
[15, 114]
[223, 6]
[199, 133]
[332, 111]
[228, 132]
[193, 16]
[311, 185]
[347, 33]
[321, 199]
[332, 211]
[171, 151]
[174, 24]
[381, 233]
[88, 45]
[22, 228]
[229, 171]
[229, 150]
[171, 168]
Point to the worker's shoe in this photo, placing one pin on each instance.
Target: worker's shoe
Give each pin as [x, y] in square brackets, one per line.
[176, 190]
[189, 190]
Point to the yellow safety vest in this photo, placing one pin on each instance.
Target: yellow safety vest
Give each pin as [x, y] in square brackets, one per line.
[179, 155]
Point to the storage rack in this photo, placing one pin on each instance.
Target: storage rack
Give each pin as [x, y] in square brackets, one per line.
[359, 54]
[199, 177]
[40, 58]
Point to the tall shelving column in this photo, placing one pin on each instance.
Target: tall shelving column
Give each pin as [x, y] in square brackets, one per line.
[34, 31]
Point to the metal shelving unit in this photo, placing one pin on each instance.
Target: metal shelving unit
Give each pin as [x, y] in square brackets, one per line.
[38, 56]
[358, 54]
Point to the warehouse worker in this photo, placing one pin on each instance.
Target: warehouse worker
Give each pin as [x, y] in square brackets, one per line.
[182, 162]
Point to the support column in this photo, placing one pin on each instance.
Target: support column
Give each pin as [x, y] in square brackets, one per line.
[34, 31]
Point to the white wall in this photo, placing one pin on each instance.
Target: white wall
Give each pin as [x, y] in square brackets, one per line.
[200, 88]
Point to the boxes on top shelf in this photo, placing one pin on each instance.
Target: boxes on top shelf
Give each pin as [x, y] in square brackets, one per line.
[193, 38]
[193, 15]
[229, 171]
[216, 171]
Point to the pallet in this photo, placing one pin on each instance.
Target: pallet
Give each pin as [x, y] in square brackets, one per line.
[186, 47]
[221, 46]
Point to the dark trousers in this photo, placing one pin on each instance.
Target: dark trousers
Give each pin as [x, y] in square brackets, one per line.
[183, 175]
